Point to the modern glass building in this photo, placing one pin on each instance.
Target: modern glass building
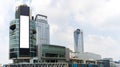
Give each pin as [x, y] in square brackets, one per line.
[22, 36]
[53, 53]
[78, 40]
[42, 29]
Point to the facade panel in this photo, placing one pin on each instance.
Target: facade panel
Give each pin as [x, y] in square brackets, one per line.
[24, 31]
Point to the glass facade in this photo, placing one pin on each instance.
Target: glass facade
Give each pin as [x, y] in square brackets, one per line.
[22, 35]
[53, 53]
[78, 40]
[42, 28]
[14, 35]
[32, 39]
[14, 38]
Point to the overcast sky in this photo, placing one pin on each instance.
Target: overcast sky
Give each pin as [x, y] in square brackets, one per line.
[99, 20]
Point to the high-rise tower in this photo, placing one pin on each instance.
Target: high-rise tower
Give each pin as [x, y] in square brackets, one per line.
[22, 35]
[42, 29]
[78, 40]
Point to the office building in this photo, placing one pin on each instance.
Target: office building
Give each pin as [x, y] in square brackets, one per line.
[78, 41]
[42, 29]
[22, 35]
[53, 53]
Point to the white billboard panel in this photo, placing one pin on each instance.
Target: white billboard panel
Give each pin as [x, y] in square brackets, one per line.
[24, 31]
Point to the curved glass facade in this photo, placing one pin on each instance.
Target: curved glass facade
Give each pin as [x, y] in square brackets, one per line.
[14, 35]
[14, 38]
[53, 53]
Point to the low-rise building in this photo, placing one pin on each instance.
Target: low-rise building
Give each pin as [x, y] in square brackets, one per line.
[85, 56]
[51, 53]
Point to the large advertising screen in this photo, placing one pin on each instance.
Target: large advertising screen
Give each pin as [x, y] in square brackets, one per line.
[24, 31]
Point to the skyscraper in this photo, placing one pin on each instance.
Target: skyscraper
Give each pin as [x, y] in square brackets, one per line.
[78, 40]
[22, 35]
[42, 29]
